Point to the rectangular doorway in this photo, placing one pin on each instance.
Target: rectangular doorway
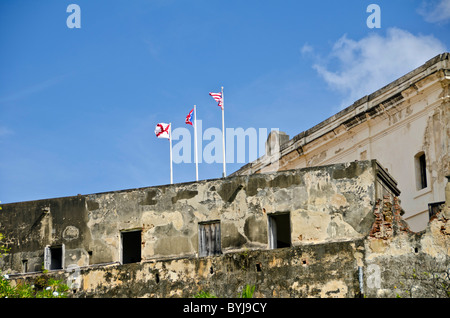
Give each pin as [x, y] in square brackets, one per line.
[54, 257]
[279, 230]
[131, 246]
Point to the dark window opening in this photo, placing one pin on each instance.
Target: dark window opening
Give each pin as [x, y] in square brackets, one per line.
[131, 247]
[421, 171]
[279, 230]
[25, 266]
[434, 208]
[56, 257]
[209, 239]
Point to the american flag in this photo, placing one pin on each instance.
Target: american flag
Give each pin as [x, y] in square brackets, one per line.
[218, 98]
[189, 117]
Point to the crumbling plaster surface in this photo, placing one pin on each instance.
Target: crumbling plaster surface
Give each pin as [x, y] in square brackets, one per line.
[320, 270]
[326, 204]
[341, 254]
[436, 141]
[402, 263]
[394, 261]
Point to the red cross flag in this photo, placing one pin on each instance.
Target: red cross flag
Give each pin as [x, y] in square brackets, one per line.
[162, 130]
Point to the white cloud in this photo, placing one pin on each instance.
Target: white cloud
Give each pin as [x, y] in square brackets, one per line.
[357, 68]
[435, 12]
[307, 49]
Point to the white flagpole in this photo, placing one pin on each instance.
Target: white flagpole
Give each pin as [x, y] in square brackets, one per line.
[223, 137]
[170, 141]
[195, 142]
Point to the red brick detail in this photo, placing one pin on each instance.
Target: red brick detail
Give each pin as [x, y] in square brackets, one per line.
[388, 219]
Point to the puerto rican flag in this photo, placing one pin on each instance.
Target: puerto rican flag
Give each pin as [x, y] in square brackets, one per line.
[162, 130]
[189, 117]
[218, 98]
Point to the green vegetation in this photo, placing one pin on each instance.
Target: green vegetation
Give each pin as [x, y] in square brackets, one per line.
[247, 292]
[203, 294]
[54, 289]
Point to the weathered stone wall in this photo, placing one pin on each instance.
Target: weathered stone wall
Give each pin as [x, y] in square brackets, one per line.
[325, 204]
[30, 226]
[345, 239]
[393, 261]
[401, 263]
[322, 270]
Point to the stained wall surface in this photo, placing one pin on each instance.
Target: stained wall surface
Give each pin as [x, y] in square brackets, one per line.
[324, 204]
[346, 236]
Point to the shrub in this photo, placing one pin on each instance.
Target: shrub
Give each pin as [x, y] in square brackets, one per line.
[55, 289]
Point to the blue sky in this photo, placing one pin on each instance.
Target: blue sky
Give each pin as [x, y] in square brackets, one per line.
[78, 106]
